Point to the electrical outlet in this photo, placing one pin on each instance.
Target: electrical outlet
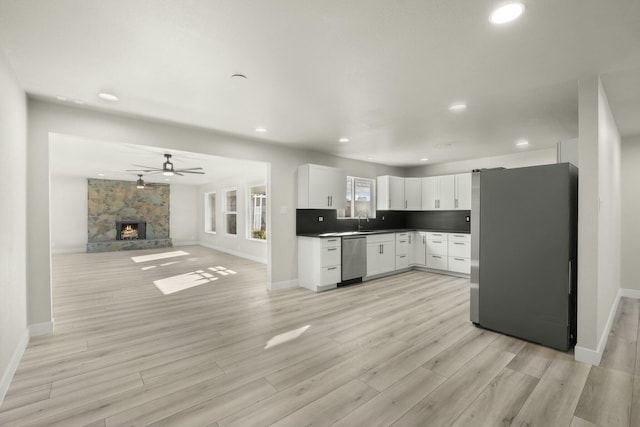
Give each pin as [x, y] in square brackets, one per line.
[383, 217]
[468, 219]
[320, 219]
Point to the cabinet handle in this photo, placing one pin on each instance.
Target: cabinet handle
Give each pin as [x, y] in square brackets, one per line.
[405, 204]
[456, 203]
[403, 256]
[332, 249]
[459, 259]
[435, 256]
[402, 241]
[456, 243]
[328, 200]
[458, 235]
[424, 239]
[409, 239]
[332, 268]
[437, 241]
[332, 240]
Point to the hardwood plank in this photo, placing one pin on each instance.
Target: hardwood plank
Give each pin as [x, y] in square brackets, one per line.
[499, 403]
[606, 398]
[620, 354]
[553, 401]
[579, 422]
[449, 400]
[393, 402]
[330, 407]
[533, 360]
[634, 418]
[625, 322]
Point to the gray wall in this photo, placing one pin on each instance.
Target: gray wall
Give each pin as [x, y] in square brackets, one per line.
[13, 213]
[630, 213]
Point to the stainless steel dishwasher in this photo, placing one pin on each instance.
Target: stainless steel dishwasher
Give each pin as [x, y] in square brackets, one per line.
[354, 259]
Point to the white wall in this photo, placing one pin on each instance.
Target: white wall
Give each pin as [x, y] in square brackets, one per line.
[515, 160]
[13, 211]
[183, 214]
[69, 214]
[69, 198]
[630, 185]
[239, 244]
[46, 118]
[599, 210]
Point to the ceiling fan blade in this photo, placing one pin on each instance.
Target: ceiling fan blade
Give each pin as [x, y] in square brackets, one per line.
[177, 173]
[143, 166]
[187, 171]
[142, 170]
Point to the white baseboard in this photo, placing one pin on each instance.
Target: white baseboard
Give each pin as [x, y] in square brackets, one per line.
[630, 293]
[593, 357]
[7, 375]
[232, 252]
[283, 284]
[39, 329]
[185, 242]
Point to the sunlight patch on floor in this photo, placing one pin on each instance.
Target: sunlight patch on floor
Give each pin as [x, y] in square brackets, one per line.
[170, 285]
[163, 255]
[286, 337]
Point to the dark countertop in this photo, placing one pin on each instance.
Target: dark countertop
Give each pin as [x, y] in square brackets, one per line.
[368, 232]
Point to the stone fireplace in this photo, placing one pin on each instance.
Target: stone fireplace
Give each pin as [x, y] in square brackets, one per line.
[131, 230]
[123, 217]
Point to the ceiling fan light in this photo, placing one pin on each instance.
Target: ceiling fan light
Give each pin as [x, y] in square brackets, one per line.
[168, 173]
[140, 183]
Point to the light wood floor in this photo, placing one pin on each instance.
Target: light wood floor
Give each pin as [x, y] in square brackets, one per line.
[397, 351]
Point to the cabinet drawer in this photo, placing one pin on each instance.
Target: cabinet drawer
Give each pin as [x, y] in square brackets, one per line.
[330, 275]
[460, 265]
[459, 237]
[437, 236]
[402, 261]
[437, 261]
[379, 238]
[331, 256]
[402, 247]
[331, 242]
[460, 249]
[402, 237]
[437, 247]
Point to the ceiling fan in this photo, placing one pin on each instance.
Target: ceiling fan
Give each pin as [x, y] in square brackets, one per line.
[140, 184]
[167, 169]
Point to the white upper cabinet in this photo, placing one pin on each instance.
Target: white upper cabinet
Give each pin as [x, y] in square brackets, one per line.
[438, 193]
[463, 191]
[321, 187]
[413, 194]
[390, 193]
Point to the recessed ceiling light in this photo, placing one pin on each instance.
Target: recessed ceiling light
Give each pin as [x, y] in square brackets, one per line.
[343, 140]
[460, 106]
[506, 13]
[106, 96]
[522, 142]
[424, 159]
[239, 76]
[261, 129]
[369, 158]
[100, 174]
[61, 98]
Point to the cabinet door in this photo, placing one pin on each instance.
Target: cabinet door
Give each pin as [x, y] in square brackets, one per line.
[411, 247]
[413, 194]
[430, 193]
[447, 193]
[463, 191]
[388, 257]
[337, 189]
[396, 193]
[374, 251]
[418, 251]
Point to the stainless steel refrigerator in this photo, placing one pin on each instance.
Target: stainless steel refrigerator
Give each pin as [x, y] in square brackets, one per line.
[524, 227]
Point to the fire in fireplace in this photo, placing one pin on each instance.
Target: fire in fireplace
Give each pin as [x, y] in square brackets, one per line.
[131, 230]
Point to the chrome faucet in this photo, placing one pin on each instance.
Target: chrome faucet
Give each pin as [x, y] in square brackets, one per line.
[359, 218]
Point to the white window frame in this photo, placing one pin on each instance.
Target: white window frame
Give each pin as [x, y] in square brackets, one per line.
[226, 212]
[250, 213]
[353, 190]
[207, 212]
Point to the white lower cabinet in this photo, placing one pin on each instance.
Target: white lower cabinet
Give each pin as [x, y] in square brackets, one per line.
[437, 250]
[418, 248]
[319, 262]
[402, 250]
[438, 262]
[381, 256]
[460, 253]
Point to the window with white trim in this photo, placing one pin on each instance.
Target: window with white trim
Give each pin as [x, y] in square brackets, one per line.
[257, 212]
[231, 213]
[361, 200]
[210, 212]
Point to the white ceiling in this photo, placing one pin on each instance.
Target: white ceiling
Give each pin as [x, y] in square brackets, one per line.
[79, 157]
[381, 72]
